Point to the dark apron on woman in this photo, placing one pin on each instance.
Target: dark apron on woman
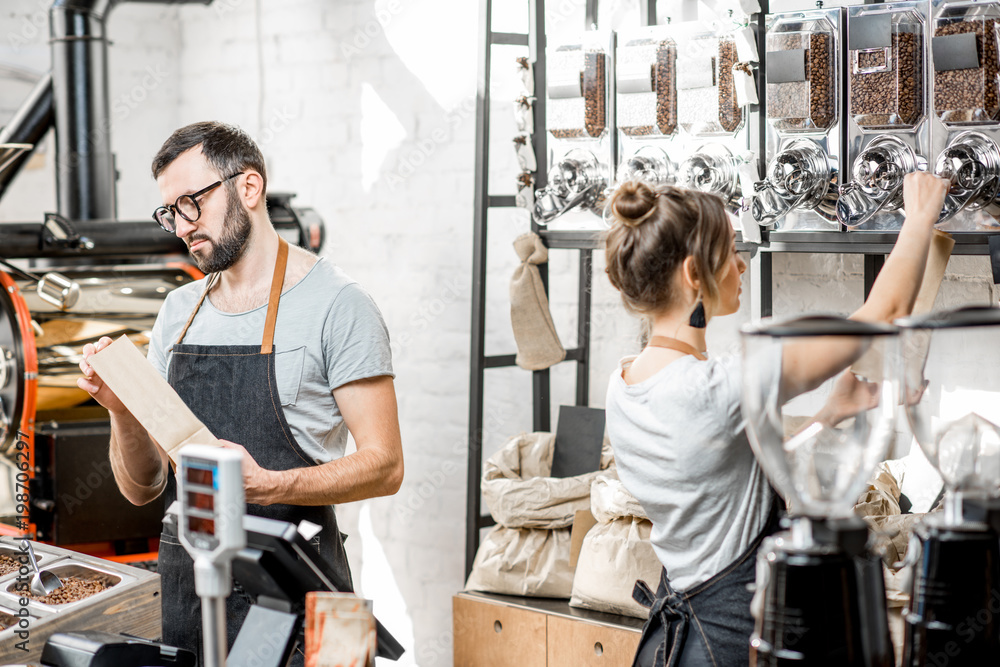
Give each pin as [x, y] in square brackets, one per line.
[232, 390]
[708, 625]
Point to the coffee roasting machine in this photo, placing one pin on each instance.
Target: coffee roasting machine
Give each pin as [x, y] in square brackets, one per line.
[102, 276]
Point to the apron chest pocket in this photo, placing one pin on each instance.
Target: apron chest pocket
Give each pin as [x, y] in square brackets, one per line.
[288, 373]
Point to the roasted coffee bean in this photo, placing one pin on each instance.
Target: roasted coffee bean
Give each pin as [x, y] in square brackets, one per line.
[666, 87]
[730, 113]
[9, 564]
[892, 95]
[73, 589]
[964, 95]
[595, 93]
[804, 104]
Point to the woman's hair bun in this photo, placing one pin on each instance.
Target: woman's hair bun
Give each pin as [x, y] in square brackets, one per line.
[633, 203]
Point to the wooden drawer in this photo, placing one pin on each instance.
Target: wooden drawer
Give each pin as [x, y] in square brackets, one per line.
[576, 643]
[497, 635]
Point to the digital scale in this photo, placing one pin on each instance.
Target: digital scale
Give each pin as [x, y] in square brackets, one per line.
[212, 505]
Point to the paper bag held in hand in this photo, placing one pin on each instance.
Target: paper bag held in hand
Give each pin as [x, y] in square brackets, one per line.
[150, 398]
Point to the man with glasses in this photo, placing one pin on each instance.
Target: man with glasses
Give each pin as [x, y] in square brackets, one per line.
[284, 385]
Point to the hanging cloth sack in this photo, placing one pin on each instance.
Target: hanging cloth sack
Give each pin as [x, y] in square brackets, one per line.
[615, 554]
[538, 345]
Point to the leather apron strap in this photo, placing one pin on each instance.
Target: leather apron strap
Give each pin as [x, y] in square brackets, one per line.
[277, 282]
[674, 344]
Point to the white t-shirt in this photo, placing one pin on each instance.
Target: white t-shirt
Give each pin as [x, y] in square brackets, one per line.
[329, 332]
[682, 451]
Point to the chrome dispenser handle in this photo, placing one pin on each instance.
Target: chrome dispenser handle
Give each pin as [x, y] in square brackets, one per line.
[965, 177]
[851, 193]
[767, 205]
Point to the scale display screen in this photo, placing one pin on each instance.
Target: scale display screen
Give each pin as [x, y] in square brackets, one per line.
[201, 487]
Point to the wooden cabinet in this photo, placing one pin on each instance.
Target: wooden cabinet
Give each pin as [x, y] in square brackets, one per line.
[489, 634]
[577, 643]
[506, 631]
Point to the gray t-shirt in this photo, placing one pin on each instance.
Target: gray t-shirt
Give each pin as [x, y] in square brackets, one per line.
[329, 332]
[682, 451]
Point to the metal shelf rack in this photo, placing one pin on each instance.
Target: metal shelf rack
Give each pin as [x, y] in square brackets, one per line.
[874, 246]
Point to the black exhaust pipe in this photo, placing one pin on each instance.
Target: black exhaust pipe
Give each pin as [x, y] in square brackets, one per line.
[28, 126]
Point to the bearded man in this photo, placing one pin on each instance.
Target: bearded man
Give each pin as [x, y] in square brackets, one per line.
[283, 386]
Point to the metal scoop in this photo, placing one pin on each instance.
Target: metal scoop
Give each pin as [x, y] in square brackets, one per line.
[43, 582]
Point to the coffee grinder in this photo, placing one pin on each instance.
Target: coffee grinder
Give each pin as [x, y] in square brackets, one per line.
[820, 594]
[953, 406]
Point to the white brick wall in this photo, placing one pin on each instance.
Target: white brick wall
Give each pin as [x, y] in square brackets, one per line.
[294, 74]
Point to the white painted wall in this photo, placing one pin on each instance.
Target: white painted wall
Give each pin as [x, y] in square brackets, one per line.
[365, 108]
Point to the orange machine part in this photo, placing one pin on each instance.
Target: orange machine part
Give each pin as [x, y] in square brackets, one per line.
[27, 426]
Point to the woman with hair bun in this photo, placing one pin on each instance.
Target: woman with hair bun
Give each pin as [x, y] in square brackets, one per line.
[674, 411]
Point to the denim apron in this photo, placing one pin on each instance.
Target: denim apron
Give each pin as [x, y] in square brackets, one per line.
[232, 390]
[710, 624]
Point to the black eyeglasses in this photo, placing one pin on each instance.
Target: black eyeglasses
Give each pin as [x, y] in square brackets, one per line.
[185, 206]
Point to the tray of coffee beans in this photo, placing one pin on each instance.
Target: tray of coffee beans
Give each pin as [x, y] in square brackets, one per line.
[886, 83]
[967, 95]
[804, 98]
[12, 560]
[7, 619]
[79, 583]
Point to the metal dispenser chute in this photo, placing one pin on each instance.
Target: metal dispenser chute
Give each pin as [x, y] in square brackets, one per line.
[887, 128]
[715, 124]
[802, 176]
[965, 118]
[580, 126]
[877, 180]
[972, 163]
[646, 105]
[799, 188]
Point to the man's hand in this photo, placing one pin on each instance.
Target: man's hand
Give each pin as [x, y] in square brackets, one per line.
[92, 383]
[257, 482]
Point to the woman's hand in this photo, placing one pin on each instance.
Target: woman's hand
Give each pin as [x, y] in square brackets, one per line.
[923, 196]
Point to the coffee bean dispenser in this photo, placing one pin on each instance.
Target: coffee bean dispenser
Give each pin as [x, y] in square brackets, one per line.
[714, 142]
[803, 126]
[580, 123]
[966, 112]
[888, 132]
[646, 104]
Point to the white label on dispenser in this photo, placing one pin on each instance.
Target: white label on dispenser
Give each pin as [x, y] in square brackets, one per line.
[696, 73]
[748, 174]
[564, 84]
[746, 45]
[635, 78]
[746, 87]
[749, 226]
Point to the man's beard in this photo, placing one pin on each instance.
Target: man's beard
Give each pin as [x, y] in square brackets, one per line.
[232, 242]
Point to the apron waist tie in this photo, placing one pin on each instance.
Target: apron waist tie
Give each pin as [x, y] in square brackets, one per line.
[673, 615]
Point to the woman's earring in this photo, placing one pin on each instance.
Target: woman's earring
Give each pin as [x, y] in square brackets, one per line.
[698, 316]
